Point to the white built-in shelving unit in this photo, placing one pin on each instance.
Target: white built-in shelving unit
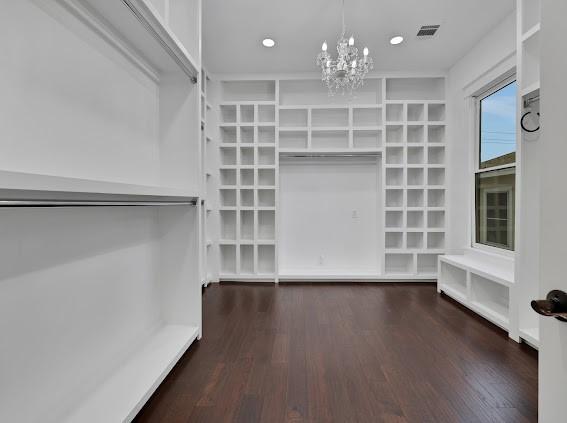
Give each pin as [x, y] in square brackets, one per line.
[482, 281]
[399, 120]
[210, 165]
[248, 179]
[528, 170]
[414, 175]
[100, 183]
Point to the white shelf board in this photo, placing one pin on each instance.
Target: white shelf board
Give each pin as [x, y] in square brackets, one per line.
[497, 273]
[415, 101]
[329, 128]
[361, 128]
[137, 25]
[369, 277]
[329, 275]
[243, 277]
[227, 242]
[531, 336]
[491, 311]
[293, 128]
[248, 103]
[122, 396]
[416, 250]
[20, 185]
[453, 293]
[534, 30]
[365, 106]
[265, 242]
[408, 277]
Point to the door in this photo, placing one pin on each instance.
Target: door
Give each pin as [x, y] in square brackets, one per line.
[553, 207]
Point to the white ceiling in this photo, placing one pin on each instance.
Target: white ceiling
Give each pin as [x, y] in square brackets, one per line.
[233, 30]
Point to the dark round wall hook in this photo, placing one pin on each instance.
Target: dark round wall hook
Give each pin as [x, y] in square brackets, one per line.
[524, 126]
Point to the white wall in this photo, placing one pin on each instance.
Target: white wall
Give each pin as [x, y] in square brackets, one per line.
[481, 61]
[329, 216]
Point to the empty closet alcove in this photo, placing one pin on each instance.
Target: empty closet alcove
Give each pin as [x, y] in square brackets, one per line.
[329, 216]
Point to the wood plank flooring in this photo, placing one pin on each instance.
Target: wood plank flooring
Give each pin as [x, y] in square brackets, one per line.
[346, 353]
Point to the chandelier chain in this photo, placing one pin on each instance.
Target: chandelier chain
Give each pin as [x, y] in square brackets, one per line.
[343, 13]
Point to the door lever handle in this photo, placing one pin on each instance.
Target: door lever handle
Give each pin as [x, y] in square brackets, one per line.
[555, 305]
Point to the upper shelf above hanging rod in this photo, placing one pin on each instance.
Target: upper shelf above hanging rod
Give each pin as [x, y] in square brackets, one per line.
[135, 30]
[24, 187]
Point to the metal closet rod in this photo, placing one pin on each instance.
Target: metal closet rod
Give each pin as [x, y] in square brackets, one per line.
[330, 155]
[63, 203]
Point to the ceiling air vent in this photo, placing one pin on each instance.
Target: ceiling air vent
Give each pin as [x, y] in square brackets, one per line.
[427, 31]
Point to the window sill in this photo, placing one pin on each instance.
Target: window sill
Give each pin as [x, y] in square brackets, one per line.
[493, 251]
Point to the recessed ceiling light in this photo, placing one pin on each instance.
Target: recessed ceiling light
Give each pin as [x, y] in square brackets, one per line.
[398, 39]
[268, 42]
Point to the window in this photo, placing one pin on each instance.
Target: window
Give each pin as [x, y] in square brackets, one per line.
[495, 173]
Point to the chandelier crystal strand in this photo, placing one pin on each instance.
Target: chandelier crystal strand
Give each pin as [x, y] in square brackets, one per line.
[347, 72]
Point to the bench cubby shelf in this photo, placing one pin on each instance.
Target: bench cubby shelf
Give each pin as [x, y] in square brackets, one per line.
[399, 120]
[482, 282]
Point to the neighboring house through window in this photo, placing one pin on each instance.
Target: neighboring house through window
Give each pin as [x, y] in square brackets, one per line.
[495, 170]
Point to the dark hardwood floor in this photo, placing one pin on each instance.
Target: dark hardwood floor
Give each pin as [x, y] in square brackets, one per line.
[346, 353]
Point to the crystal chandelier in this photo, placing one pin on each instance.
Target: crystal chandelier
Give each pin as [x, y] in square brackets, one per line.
[347, 72]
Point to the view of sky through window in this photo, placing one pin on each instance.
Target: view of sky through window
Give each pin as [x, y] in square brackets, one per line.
[498, 126]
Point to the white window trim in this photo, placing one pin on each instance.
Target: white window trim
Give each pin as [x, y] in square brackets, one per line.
[476, 98]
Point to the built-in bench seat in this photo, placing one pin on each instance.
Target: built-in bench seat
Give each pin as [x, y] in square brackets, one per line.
[481, 281]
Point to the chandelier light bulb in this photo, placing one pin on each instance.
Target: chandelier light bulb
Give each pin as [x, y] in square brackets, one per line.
[365, 51]
[324, 47]
[398, 39]
[268, 42]
[351, 41]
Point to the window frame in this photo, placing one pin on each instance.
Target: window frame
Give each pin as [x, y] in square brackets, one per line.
[493, 88]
